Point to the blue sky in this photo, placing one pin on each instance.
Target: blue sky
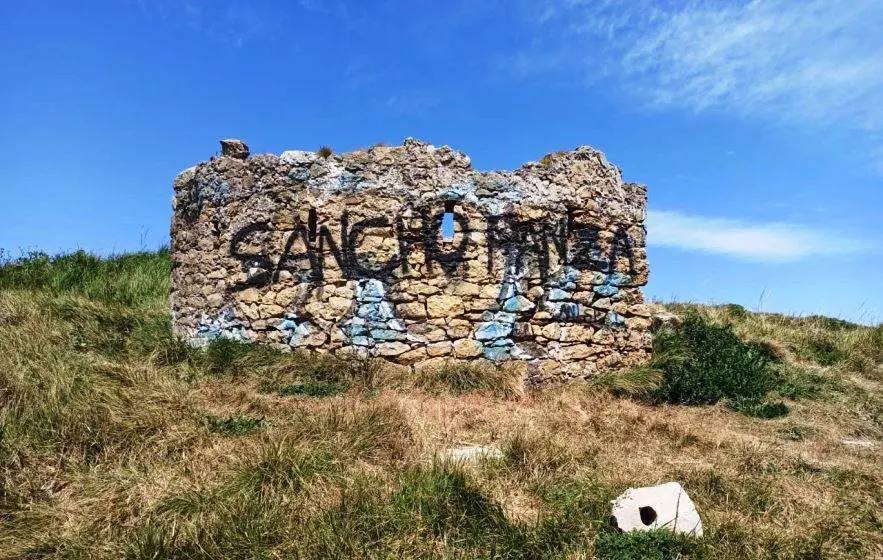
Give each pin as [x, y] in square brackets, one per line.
[757, 126]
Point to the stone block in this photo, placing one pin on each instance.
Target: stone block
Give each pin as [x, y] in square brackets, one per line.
[444, 306]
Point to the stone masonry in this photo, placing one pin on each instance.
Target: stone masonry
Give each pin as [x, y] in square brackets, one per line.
[410, 254]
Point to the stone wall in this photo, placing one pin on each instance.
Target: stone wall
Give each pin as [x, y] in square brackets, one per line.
[352, 253]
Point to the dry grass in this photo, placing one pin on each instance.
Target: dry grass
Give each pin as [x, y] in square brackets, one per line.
[117, 442]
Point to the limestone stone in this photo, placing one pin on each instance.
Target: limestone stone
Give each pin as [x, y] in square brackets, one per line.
[552, 331]
[578, 333]
[666, 506]
[250, 295]
[391, 348]
[444, 306]
[413, 310]
[470, 453]
[443, 348]
[467, 348]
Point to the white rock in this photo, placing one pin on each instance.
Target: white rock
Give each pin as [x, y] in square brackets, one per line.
[468, 453]
[859, 442]
[666, 506]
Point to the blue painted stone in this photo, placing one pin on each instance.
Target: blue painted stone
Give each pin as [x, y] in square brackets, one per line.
[507, 290]
[516, 304]
[370, 290]
[286, 325]
[395, 325]
[571, 274]
[209, 332]
[606, 290]
[599, 278]
[568, 311]
[353, 330]
[557, 294]
[504, 317]
[619, 279]
[493, 330]
[361, 341]
[368, 311]
[375, 311]
[384, 334]
[456, 192]
[501, 342]
[614, 318]
[349, 180]
[496, 353]
[569, 286]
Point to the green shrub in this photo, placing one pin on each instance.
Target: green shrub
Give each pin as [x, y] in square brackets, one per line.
[703, 363]
[759, 408]
[824, 351]
[643, 545]
[735, 310]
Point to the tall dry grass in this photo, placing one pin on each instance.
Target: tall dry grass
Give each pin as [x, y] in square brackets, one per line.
[118, 441]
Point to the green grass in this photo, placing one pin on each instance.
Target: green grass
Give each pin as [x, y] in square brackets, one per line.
[235, 425]
[134, 279]
[117, 440]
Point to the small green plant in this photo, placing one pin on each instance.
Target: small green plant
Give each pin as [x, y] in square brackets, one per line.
[222, 356]
[793, 432]
[759, 408]
[236, 425]
[314, 389]
[643, 545]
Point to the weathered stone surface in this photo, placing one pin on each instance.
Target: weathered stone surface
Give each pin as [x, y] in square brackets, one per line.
[470, 453]
[234, 148]
[347, 253]
[444, 306]
[666, 506]
[467, 348]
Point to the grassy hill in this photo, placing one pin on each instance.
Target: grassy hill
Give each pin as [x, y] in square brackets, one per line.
[118, 441]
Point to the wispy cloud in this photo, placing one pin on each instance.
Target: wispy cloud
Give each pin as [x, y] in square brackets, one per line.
[816, 62]
[772, 242]
[232, 22]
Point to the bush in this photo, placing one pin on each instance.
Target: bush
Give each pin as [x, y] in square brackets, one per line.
[643, 545]
[703, 363]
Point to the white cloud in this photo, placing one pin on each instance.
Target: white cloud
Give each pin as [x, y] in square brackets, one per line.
[772, 242]
[807, 61]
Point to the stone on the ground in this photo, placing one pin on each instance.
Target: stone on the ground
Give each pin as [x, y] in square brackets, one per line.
[665, 319]
[859, 442]
[467, 453]
[666, 506]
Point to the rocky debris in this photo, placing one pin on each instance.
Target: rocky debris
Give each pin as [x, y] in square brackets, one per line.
[666, 506]
[469, 453]
[349, 253]
[234, 148]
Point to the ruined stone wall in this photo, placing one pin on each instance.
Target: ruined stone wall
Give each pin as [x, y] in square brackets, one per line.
[347, 253]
